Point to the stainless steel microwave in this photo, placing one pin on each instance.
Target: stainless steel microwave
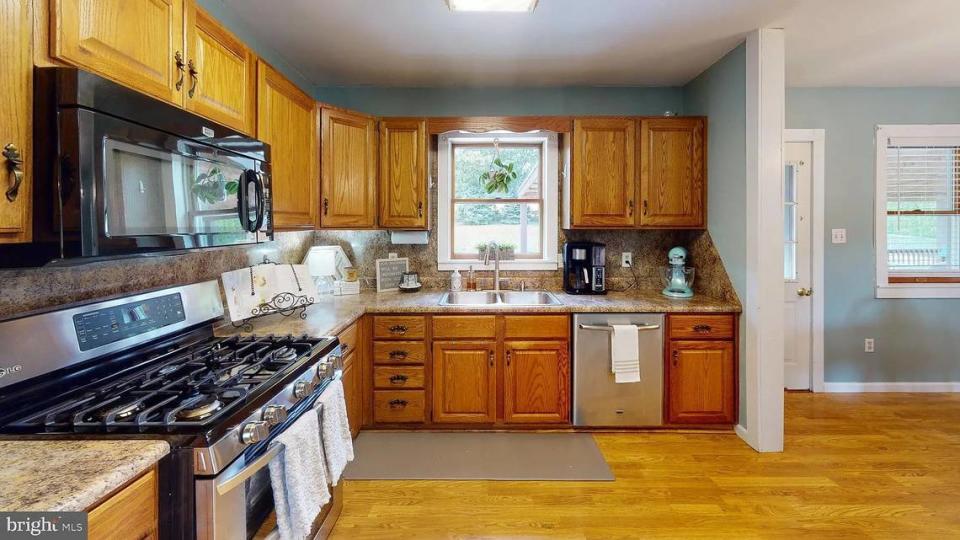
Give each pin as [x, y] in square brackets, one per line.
[120, 174]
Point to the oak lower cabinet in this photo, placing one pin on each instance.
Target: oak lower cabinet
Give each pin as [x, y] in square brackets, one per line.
[536, 386]
[16, 70]
[287, 121]
[604, 181]
[351, 379]
[672, 172]
[464, 382]
[701, 370]
[348, 176]
[403, 182]
[130, 513]
[398, 365]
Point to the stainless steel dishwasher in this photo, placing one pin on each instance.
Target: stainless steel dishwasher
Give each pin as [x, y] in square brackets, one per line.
[597, 399]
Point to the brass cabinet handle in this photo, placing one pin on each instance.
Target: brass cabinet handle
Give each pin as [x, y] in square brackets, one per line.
[14, 166]
[398, 329]
[491, 358]
[702, 328]
[178, 58]
[676, 358]
[398, 355]
[508, 358]
[326, 206]
[630, 205]
[646, 207]
[398, 379]
[420, 209]
[343, 348]
[194, 78]
[398, 403]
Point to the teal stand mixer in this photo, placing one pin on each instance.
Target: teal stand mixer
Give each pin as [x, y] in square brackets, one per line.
[677, 277]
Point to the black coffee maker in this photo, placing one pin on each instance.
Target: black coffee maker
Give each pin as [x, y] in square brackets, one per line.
[584, 268]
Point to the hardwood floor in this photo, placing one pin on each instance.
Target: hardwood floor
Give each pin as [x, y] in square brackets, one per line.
[856, 466]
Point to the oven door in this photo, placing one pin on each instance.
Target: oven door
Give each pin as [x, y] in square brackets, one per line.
[143, 190]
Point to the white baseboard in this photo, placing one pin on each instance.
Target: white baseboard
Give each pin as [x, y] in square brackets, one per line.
[741, 431]
[891, 387]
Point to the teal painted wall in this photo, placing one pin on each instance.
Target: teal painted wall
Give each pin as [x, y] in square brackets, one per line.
[505, 101]
[720, 93]
[916, 340]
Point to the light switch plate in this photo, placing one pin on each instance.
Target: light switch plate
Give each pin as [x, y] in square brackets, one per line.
[838, 236]
[868, 345]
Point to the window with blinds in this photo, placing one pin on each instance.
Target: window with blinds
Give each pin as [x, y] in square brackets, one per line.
[923, 209]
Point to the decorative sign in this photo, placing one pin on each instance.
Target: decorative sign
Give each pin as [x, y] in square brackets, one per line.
[390, 272]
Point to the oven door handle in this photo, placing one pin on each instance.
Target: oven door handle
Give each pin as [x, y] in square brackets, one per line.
[227, 484]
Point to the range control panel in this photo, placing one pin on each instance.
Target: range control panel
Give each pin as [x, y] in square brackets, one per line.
[108, 325]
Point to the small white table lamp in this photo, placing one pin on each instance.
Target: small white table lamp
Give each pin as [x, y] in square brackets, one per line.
[323, 268]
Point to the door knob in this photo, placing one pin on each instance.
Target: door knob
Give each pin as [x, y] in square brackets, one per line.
[804, 292]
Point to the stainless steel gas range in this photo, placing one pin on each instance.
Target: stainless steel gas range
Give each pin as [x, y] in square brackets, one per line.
[149, 366]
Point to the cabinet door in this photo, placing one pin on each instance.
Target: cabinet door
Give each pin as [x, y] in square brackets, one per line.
[134, 42]
[16, 70]
[222, 78]
[130, 513]
[700, 383]
[403, 174]
[351, 391]
[672, 172]
[604, 182]
[536, 382]
[287, 121]
[348, 170]
[464, 382]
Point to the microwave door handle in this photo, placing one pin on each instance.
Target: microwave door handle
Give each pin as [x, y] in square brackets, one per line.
[261, 203]
[227, 484]
[242, 202]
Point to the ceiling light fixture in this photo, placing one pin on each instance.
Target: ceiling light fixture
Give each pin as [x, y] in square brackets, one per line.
[516, 6]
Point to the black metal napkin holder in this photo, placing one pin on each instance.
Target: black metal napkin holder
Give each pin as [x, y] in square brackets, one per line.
[284, 303]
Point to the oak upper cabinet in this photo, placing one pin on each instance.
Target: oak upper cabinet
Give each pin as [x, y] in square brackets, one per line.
[701, 382]
[221, 73]
[287, 121]
[464, 382]
[536, 382]
[672, 172]
[16, 70]
[138, 43]
[604, 180]
[348, 170]
[403, 174]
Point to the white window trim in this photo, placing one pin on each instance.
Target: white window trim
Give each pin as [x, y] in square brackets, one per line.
[885, 289]
[550, 201]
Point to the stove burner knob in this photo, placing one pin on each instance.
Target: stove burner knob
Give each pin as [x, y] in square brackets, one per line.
[322, 368]
[254, 432]
[302, 389]
[274, 414]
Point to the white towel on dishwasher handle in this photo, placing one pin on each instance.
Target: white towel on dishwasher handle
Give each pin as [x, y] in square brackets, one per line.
[298, 478]
[625, 353]
[335, 430]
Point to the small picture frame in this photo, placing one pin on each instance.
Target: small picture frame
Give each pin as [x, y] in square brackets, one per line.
[390, 272]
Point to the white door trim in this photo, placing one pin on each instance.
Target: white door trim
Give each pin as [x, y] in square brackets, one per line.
[763, 310]
[818, 138]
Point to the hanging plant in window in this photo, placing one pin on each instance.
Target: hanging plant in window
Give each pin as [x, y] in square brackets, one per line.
[212, 187]
[500, 175]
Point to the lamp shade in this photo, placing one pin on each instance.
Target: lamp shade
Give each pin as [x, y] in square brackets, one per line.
[322, 263]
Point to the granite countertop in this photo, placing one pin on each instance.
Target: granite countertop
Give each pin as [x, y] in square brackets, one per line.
[70, 475]
[330, 315]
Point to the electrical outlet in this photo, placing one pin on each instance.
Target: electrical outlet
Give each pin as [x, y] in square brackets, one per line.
[392, 255]
[868, 345]
[838, 236]
[626, 259]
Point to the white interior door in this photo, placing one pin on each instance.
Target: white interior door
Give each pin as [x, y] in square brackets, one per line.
[797, 224]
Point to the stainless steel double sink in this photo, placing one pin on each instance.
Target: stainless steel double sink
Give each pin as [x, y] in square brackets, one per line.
[501, 298]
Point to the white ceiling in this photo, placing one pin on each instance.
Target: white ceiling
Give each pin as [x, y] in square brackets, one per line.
[605, 42]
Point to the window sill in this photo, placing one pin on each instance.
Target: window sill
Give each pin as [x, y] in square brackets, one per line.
[918, 290]
[477, 265]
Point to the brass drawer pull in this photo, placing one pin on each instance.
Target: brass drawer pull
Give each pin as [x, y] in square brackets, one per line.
[398, 355]
[398, 379]
[702, 328]
[344, 347]
[398, 329]
[398, 403]
[14, 166]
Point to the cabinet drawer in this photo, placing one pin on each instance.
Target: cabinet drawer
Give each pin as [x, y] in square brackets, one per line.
[536, 326]
[398, 377]
[701, 326]
[348, 339]
[130, 513]
[468, 326]
[398, 406]
[396, 327]
[399, 352]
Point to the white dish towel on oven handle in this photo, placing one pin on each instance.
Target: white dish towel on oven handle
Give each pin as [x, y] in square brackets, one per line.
[335, 430]
[298, 478]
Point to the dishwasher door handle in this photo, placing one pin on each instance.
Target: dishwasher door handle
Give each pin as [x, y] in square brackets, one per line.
[608, 328]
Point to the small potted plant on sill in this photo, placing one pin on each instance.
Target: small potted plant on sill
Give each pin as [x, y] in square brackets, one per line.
[507, 250]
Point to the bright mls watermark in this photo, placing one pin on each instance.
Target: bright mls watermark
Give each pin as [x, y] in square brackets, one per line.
[45, 525]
